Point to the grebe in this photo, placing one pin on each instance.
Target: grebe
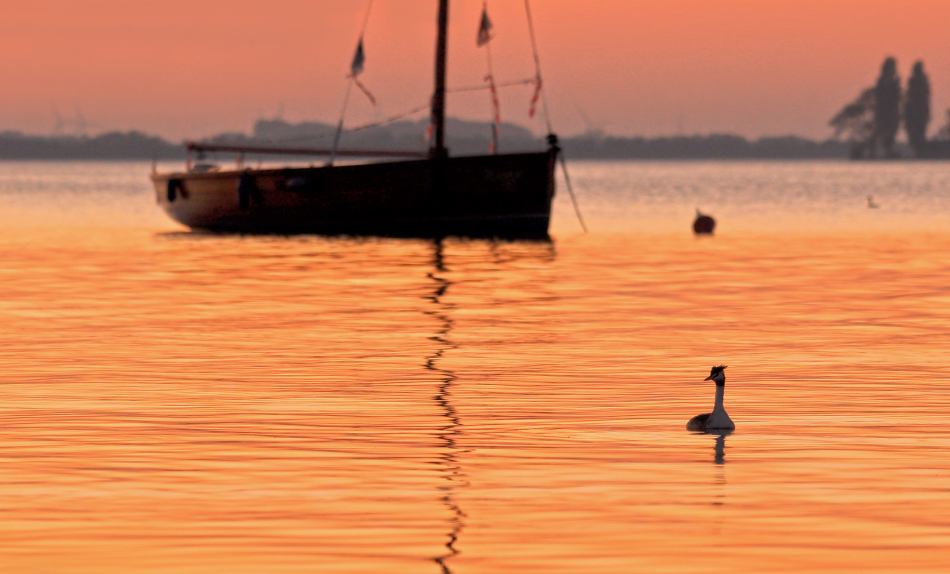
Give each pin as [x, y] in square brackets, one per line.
[704, 224]
[871, 204]
[717, 420]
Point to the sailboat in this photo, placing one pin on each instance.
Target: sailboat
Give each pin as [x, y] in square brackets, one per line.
[405, 194]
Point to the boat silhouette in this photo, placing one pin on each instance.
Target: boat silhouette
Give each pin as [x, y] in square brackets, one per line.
[408, 194]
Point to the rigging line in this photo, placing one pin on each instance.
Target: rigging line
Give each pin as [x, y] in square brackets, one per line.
[547, 114]
[390, 119]
[496, 106]
[570, 189]
[537, 67]
[318, 137]
[366, 18]
[349, 90]
[313, 137]
[339, 127]
[527, 82]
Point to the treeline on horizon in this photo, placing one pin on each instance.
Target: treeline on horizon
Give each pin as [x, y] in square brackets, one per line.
[866, 128]
[139, 146]
[109, 146]
[872, 122]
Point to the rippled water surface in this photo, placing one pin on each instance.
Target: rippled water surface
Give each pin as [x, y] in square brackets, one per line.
[175, 402]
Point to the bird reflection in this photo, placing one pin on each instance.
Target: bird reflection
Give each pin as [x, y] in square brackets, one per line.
[720, 444]
[448, 434]
[720, 459]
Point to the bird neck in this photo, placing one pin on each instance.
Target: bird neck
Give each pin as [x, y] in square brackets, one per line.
[720, 394]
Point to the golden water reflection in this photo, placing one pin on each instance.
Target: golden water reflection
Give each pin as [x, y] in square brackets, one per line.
[181, 403]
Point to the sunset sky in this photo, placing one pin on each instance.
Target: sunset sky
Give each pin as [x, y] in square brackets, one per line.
[190, 68]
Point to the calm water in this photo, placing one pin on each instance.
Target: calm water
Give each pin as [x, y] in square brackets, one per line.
[174, 402]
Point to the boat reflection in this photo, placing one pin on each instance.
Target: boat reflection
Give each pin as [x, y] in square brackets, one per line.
[505, 253]
[469, 259]
[448, 435]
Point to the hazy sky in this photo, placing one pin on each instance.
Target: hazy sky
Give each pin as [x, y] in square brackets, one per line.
[189, 68]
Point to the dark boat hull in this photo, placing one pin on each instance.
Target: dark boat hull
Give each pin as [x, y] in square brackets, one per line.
[485, 196]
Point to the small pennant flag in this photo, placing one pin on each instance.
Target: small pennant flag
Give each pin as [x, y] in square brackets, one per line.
[364, 89]
[486, 31]
[497, 107]
[537, 96]
[359, 61]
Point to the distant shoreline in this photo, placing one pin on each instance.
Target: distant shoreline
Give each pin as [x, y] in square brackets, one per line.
[472, 138]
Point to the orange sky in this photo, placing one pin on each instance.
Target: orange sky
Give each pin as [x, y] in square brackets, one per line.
[188, 68]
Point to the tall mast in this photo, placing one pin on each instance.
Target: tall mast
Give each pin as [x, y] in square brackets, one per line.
[438, 99]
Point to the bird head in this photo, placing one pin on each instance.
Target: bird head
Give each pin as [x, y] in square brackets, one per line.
[718, 375]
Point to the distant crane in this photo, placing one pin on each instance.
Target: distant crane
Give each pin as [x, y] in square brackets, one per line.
[62, 126]
[595, 130]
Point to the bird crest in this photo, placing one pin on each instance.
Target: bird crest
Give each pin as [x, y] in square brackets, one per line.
[716, 374]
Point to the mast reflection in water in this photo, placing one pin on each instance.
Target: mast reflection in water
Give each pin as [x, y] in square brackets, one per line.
[448, 461]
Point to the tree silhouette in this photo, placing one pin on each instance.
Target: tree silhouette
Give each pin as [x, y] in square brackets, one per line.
[917, 110]
[856, 121]
[887, 107]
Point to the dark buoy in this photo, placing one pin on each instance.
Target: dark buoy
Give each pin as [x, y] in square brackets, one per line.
[704, 225]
